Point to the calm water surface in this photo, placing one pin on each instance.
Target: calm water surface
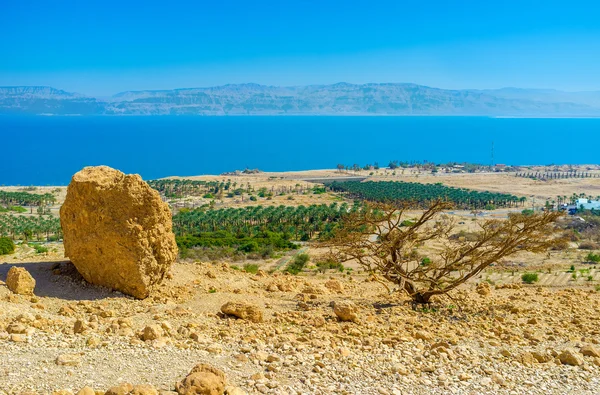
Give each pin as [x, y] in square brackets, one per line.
[48, 150]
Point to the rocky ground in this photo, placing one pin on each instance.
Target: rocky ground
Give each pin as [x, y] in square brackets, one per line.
[514, 339]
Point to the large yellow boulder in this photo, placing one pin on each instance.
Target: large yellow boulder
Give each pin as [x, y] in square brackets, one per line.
[117, 231]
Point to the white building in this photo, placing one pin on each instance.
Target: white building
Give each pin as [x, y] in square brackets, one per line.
[588, 204]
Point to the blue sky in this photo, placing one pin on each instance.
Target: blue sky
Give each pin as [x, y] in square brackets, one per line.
[103, 47]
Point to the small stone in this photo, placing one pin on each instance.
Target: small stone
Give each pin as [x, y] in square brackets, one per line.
[570, 357]
[346, 311]
[152, 332]
[235, 391]
[484, 289]
[19, 281]
[423, 335]
[498, 379]
[86, 391]
[16, 327]
[334, 286]
[527, 358]
[203, 379]
[121, 389]
[144, 389]
[590, 351]
[243, 310]
[68, 360]
[80, 326]
[541, 357]
[464, 377]
[18, 338]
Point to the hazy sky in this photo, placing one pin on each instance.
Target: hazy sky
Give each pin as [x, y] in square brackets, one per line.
[103, 47]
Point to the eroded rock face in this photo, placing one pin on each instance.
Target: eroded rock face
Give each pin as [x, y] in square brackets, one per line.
[117, 230]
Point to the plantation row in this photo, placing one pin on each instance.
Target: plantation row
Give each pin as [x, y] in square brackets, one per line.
[300, 223]
[30, 227]
[185, 187]
[26, 199]
[422, 194]
[180, 188]
[556, 175]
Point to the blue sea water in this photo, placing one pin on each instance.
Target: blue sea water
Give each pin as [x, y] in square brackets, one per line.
[48, 150]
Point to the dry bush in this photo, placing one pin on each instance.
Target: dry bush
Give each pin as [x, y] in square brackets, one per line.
[589, 245]
[376, 239]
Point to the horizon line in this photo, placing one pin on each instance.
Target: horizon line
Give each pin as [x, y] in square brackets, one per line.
[298, 86]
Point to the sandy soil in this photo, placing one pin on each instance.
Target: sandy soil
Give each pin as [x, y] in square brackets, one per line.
[489, 345]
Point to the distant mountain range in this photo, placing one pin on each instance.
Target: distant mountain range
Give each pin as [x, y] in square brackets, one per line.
[336, 99]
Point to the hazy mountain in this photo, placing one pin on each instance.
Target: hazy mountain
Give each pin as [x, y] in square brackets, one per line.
[336, 99]
[46, 100]
[591, 98]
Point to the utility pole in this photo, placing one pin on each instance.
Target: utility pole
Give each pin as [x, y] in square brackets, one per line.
[492, 162]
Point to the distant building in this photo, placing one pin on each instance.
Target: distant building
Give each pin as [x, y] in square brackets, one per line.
[584, 204]
[588, 204]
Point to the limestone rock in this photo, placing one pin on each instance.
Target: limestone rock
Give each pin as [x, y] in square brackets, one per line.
[121, 389]
[346, 311]
[152, 332]
[334, 286]
[541, 357]
[68, 360]
[423, 335]
[235, 391]
[570, 357]
[144, 389]
[20, 281]
[243, 310]
[117, 231]
[86, 391]
[590, 351]
[16, 328]
[203, 380]
[484, 289]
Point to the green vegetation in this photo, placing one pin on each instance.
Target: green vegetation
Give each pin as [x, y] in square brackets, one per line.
[251, 268]
[6, 246]
[180, 188]
[530, 278]
[26, 199]
[592, 258]
[423, 194]
[39, 249]
[297, 264]
[177, 188]
[16, 209]
[291, 223]
[330, 265]
[261, 244]
[29, 227]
